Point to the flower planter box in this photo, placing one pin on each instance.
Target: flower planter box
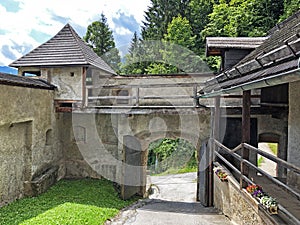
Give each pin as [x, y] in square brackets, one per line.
[268, 203]
[221, 175]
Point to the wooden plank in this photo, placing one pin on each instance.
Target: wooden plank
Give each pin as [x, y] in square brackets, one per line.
[166, 97]
[240, 96]
[141, 97]
[158, 85]
[111, 97]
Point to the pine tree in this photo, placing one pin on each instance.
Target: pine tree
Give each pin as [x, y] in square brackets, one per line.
[197, 14]
[100, 38]
[159, 15]
[133, 59]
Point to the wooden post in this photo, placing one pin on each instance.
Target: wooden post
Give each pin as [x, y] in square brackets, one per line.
[84, 91]
[196, 100]
[217, 116]
[137, 100]
[216, 136]
[245, 133]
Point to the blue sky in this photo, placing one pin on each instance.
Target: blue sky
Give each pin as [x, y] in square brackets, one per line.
[25, 24]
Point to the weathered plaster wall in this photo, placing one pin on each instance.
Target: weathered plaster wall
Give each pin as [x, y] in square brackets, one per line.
[89, 145]
[294, 131]
[93, 143]
[192, 127]
[28, 138]
[68, 80]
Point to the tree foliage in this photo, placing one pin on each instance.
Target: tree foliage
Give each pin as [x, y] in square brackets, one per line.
[187, 23]
[100, 38]
[197, 14]
[165, 154]
[244, 18]
[290, 7]
[159, 15]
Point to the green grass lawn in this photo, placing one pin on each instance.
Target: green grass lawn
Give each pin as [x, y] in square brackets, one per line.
[86, 201]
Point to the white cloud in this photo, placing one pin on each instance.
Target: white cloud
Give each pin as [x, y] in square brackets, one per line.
[49, 16]
[122, 31]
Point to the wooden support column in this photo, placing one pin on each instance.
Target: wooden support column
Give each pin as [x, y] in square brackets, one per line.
[84, 91]
[217, 117]
[246, 116]
[216, 136]
[245, 132]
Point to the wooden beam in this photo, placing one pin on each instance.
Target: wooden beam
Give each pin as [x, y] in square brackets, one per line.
[245, 134]
[153, 85]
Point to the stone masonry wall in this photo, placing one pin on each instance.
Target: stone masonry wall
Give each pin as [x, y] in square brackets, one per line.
[93, 143]
[233, 202]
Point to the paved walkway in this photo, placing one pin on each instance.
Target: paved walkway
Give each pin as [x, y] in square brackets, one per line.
[172, 203]
[267, 165]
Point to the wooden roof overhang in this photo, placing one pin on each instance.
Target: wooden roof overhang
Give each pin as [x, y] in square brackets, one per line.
[216, 46]
[274, 62]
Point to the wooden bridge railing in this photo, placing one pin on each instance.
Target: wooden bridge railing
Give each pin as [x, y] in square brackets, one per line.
[136, 95]
[246, 163]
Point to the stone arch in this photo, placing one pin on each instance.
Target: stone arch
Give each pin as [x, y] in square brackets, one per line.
[145, 137]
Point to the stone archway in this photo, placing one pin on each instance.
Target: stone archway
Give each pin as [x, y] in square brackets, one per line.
[136, 156]
[146, 128]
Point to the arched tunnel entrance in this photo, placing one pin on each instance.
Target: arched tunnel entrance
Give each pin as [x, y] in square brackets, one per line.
[157, 152]
[167, 155]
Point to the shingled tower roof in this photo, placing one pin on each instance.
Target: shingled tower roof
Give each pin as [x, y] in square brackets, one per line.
[66, 48]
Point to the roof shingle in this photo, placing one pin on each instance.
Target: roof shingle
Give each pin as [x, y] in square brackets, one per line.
[14, 80]
[213, 43]
[66, 48]
[277, 55]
